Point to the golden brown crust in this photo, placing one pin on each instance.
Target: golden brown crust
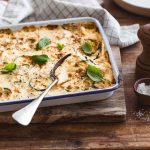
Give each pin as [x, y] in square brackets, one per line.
[18, 46]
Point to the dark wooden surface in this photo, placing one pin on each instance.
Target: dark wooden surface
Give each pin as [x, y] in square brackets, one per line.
[132, 134]
[112, 109]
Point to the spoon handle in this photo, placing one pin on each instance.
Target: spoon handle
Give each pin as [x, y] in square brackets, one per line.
[25, 115]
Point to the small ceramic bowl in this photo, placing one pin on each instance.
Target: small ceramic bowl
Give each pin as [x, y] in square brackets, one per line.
[142, 99]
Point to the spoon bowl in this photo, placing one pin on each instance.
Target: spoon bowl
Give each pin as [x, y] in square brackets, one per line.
[25, 115]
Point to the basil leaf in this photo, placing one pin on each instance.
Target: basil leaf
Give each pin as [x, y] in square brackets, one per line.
[87, 47]
[60, 46]
[94, 73]
[40, 59]
[42, 43]
[9, 67]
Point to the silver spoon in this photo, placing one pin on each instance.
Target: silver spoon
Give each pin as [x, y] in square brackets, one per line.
[25, 115]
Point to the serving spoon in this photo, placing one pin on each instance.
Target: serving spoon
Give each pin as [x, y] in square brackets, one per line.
[25, 115]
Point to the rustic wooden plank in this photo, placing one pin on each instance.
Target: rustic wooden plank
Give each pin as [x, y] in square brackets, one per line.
[110, 110]
[129, 56]
[132, 134]
[74, 136]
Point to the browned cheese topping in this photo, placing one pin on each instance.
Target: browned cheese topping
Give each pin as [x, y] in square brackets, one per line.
[27, 56]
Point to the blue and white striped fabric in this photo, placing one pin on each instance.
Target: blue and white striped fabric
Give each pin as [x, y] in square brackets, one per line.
[35, 10]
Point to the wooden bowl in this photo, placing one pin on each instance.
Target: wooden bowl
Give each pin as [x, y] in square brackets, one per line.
[142, 99]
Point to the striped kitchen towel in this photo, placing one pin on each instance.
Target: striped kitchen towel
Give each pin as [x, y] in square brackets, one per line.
[35, 10]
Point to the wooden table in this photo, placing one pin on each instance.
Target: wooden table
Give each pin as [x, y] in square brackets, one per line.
[132, 134]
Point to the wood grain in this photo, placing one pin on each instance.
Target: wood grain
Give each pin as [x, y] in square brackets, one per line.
[134, 134]
[110, 110]
[118, 136]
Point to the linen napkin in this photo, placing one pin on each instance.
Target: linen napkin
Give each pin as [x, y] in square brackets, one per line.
[36, 10]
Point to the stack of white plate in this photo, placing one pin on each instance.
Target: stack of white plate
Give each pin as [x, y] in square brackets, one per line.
[141, 7]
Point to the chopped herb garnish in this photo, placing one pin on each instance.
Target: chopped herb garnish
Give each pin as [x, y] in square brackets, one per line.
[94, 73]
[60, 46]
[87, 47]
[42, 43]
[9, 67]
[40, 59]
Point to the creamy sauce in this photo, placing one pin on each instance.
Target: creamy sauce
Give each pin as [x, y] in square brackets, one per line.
[18, 46]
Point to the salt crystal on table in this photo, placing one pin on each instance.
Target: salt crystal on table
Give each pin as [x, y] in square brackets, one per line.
[143, 89]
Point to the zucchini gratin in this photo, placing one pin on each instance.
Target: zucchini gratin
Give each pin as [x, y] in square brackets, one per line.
[27, 56]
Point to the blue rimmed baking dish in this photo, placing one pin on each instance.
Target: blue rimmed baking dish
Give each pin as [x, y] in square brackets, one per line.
[72, 97]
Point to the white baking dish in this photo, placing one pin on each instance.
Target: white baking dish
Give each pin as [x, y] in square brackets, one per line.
[75, 97]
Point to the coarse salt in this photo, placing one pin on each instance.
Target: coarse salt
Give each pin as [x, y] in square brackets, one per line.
[142, 114]
[143, 89]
